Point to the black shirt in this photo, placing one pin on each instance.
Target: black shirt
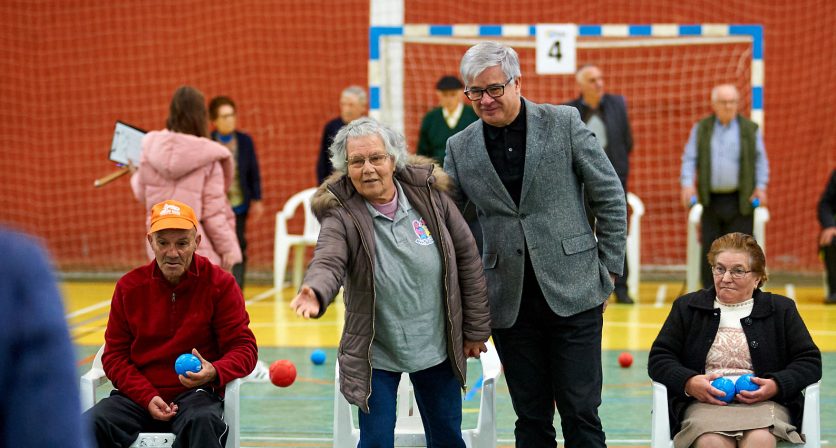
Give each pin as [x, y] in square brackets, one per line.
[506, 149]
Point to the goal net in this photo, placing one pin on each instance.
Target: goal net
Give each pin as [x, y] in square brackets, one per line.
[665, 80]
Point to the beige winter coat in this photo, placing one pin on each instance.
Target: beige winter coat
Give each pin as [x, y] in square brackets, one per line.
[345, 253]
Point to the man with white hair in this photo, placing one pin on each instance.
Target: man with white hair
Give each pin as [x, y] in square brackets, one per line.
[353, 102]
[524, 166]
[605, 114]
[724, 168]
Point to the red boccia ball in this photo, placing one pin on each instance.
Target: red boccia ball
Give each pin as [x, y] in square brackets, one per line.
[282, 373]
[625, 359]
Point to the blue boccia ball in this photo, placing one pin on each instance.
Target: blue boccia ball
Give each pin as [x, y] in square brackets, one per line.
[187, 362]
[745, 383]
[318, 356]
[727, 386]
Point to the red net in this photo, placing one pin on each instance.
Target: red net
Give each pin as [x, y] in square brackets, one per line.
[70, 68]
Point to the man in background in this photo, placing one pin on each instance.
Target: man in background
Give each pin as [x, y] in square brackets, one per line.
[353, 103]
[605, 115]
[245, 192]
[442, 122]
[724, 168]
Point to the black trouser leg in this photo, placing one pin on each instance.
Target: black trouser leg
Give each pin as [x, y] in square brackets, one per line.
[199, 422]
[830, 266]
[577, 376]
[117, 421]
[238, 270]
[548, 359]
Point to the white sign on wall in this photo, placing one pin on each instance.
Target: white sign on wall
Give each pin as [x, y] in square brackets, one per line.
[556, 46]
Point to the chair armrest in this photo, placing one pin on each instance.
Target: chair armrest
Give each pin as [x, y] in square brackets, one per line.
[491, 366]
[660, 428]
[87, 387]
[811, 423]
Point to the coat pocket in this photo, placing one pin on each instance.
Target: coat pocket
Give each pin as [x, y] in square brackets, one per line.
[578, 243]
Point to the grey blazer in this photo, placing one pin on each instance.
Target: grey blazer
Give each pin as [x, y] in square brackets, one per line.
[572, 268]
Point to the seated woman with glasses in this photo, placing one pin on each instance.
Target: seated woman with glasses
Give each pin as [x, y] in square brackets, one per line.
[415, 294]
[730, 330]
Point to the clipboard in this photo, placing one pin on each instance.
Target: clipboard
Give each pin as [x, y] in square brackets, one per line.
[127, 144]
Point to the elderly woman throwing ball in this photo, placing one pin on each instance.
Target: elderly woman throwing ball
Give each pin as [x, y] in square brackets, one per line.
[414, 290]
[731, 330]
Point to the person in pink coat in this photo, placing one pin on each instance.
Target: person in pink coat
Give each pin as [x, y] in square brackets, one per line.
[182, 163]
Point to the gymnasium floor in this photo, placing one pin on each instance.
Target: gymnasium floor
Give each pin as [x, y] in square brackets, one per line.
[301, 415]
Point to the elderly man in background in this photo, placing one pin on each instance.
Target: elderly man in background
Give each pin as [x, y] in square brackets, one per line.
[724, 168]
[353, 103]
[605, 114]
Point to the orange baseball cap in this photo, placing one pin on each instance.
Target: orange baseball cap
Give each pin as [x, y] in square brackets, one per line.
[172, 214]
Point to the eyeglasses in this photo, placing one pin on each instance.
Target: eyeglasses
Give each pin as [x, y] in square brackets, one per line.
[737, 273]
[494, 91]
[375, 159]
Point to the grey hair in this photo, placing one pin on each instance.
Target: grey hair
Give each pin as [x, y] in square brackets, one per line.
[582, 70]
[716, 91]
[393, 141]
[488, 54]
[357, 91]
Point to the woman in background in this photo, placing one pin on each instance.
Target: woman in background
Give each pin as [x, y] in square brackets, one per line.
[180, 162]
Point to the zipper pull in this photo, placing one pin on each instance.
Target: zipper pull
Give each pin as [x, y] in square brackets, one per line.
[172, 297]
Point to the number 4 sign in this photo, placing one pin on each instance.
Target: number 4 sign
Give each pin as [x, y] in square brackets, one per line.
[556, 49]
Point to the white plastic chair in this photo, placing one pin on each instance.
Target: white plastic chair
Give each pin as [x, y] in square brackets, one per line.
[96, 377]
[284, 241]
[409, 430]
[694, 255]
[810, 425]
[634, 245]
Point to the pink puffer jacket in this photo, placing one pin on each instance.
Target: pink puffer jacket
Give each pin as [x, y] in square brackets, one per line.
[198, 172]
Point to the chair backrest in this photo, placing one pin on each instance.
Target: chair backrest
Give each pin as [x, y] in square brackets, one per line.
[303, 198]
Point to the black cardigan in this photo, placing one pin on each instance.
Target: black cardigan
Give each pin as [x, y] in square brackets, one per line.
[779, 343]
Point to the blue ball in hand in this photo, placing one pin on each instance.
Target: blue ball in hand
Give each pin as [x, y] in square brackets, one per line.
[318, 356]
[187, 362]
[745, 383]
[727, 386]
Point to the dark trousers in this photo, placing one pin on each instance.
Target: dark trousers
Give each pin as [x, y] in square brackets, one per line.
[722, 216]
[830, 265]
[238, 270]
[552, 360]
[439, 398]
[199, 422]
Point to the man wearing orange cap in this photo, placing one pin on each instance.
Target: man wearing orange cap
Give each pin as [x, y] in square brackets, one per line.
[179, 303]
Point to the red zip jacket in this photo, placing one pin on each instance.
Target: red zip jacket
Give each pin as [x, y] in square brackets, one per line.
[152, 322]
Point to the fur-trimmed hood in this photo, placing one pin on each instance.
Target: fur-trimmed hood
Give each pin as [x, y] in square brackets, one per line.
[419, 170]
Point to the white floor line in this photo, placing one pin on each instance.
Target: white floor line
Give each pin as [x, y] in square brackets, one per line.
[262, 296]
[88, 309]
[661, 293]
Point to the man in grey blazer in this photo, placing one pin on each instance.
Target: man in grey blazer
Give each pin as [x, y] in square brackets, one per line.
[523, 166]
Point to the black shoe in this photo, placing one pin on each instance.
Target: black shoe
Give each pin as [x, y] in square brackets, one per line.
[623, 297]
[831, 299]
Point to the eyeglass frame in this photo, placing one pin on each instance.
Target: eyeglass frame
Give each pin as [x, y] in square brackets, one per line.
[383, 157]
[734, 273]
[482, 92]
